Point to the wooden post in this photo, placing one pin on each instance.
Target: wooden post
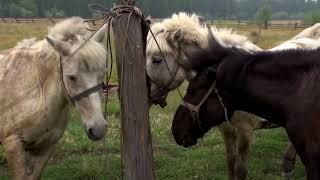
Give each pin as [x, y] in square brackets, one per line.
[17, 20]
[136, 151]
[4, 20]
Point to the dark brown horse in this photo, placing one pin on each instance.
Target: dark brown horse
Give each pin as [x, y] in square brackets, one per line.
[282, 87]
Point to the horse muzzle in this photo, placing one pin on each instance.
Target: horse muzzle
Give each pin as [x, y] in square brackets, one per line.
[96, 131]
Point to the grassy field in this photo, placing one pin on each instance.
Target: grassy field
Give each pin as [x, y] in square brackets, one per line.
[77, 157]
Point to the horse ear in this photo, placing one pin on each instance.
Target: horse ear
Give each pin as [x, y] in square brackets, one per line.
[178, 35]
[148, 20]
[100, 34]
[64, 48]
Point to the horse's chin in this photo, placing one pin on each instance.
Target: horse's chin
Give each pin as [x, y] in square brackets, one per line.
[188, 141]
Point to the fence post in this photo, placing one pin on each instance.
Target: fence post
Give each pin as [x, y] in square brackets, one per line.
[51, 20]
[4, 20]
[17, 20]
[136, 150]
[259, 29]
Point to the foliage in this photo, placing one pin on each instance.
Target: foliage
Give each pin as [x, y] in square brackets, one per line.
[213, 9]
[280, 15]
[54, 12]
[312, 17]
[263, 15]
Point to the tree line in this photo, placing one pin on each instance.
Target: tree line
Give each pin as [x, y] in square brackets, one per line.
[213, 9]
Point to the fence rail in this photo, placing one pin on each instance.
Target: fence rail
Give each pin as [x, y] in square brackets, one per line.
[240, 23]
[34, 20]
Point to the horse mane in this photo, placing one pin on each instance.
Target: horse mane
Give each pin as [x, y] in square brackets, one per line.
[312, 32]
[26, 43]
[217, 51]
[77, 36]
[194, 30]
[71, 30]
[189, 23]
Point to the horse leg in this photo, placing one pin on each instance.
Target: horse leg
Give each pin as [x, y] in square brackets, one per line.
[312, 169]
[288, 163]
[229, 135]
[16, 157]
[38, 160]
[244, 135]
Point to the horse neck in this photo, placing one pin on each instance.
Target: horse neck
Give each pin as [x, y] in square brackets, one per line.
[260, 84]
[49, 70]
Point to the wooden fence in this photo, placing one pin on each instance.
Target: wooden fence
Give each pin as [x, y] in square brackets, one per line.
[285, 24]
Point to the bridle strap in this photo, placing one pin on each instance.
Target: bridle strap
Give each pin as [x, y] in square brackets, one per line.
[87, 92]
[197, 107]
[194, 109]
[82, 94]
[62, 81]
[165, 88]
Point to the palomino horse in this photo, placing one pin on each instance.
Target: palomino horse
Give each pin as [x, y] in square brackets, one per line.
[178, 37]
[37, 82]
[281, 86]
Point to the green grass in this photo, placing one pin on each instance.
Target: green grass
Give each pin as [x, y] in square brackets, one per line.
[77, 157]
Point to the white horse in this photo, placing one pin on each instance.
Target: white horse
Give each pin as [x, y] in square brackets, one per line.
[37, 82]
[178, 37]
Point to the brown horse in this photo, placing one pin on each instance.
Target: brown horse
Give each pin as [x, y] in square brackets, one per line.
[178, 37]
[279, 86]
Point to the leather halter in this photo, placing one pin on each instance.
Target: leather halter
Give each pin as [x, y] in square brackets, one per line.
[195, 109]
[164, 89]
[83, 94]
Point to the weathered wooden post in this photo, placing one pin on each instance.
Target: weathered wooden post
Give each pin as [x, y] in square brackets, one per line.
[129, 41]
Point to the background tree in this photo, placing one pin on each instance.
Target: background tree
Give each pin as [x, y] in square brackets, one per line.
[263, 15]
[211, 9]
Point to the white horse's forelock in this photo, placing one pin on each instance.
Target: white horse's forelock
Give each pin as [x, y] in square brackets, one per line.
[192, 30]
[70, 30]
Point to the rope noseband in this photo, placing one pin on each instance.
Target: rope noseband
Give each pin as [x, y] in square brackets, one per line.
[195, 109]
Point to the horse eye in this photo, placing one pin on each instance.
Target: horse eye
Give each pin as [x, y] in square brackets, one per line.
[156, 60]
[72, 78]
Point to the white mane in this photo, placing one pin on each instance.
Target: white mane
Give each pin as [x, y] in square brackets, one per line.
[194, 31]
[73, 30]
[26, 43]
[311, 32]
[70, 30]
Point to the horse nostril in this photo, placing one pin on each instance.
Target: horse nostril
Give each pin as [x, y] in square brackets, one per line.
[96, 132]
[90, 131]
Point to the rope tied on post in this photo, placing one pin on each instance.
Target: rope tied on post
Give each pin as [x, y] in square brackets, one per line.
[130, 73]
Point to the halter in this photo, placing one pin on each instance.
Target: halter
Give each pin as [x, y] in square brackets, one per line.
[163, 89]
[194, 109]
[81, 95]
